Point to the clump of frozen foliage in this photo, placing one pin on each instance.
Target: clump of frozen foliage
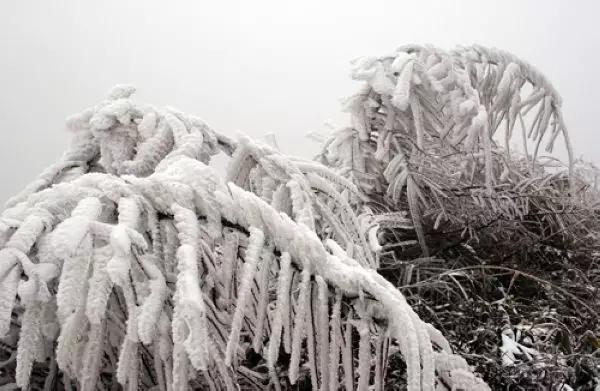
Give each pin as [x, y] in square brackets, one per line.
[132, 261]
[132, 257]
[471, 218]
[434, 129]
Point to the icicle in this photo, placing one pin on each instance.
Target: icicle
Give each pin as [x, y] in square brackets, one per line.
[255, 246]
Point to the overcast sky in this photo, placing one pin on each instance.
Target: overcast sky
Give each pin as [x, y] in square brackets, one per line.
[258, 67]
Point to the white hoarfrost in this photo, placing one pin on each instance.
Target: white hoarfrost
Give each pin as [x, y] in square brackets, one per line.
[132, 261]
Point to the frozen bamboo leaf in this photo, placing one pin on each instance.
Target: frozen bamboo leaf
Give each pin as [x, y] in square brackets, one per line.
[8, 293]
[364, 355]
[281, 311]
[92, 357]
[322, 315]
[190, 328]
[30, 341]
[151, 307]
[347, 355]
[335, 342]
[100, 286]
[73, 279]
[251, 260]
[263, 298]
[299, 323]
[401, 95]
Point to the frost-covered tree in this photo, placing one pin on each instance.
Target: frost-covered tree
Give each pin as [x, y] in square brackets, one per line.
[132, 262]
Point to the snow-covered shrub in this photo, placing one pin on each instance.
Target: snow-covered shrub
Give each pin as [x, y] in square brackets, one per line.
[472, 221]
[132, 262]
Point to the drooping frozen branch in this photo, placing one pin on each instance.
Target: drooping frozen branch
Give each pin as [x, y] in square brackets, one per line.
[145, 265]
[435, 131]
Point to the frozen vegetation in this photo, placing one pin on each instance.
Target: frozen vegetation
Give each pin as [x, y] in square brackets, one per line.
[431, 245]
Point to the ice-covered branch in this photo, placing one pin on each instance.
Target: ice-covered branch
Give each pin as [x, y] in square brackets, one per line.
[147, 269]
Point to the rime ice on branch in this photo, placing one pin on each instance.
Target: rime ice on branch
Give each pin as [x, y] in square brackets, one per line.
[435, 131]
[132, 261]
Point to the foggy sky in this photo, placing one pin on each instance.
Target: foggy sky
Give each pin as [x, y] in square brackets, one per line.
[257, 67]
